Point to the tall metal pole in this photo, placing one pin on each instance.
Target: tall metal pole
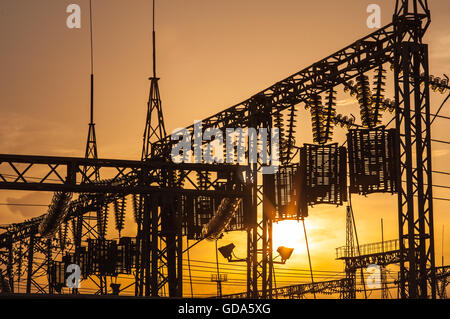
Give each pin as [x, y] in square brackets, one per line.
[415, 197]
[30, 257]
[309, 256]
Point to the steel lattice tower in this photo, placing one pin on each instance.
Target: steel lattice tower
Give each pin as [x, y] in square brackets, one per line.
[350, 270]
[415, 198]
[90, 173]
[159, 238]
[154, 126]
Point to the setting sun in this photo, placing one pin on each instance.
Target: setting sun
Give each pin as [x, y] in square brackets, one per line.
[220, 159]
[289, 233]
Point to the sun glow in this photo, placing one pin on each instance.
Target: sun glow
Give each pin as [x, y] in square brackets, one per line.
[288, 233]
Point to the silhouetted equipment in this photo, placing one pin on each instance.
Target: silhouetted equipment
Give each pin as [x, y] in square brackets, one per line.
[224, 214]
[219, 279]
[56, 213]
[62, 234]
[119, 213]
[344, 121]
[227, 251]
[300, 290]
[102, 257]
[285, 253]
[115, 288]
[437, 84]
[57, 275]
[323, 175]
[442, 280]
[378, 96]
[166, 210]
[57, 270]
[110, 258]
[126, 255]
[322, 118]
[4, 285]
[364, 97]
[137, 208]
[200, 210]
[372, 160]
[102, 219]
[213, 211]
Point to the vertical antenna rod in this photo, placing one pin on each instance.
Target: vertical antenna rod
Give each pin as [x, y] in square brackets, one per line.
[92, 64]
[154, 42]
[154, 128]
[91, 145]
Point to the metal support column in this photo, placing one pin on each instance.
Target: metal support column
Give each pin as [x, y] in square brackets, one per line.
[30, 257]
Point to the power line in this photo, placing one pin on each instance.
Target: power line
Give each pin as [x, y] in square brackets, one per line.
[24, 204]
[440, 172]
[242, 265]
[440, 141]
[440, 107]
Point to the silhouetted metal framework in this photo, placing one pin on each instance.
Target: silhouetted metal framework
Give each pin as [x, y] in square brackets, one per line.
[287, 186]
[416, 234]
[159, 238]
[154, 129]
[300, 290]
[350, 251]
[442, 274]
[370, 254]
[371, 157]
[399, 43]
[261, 213]
[89, 225]
[128, 177]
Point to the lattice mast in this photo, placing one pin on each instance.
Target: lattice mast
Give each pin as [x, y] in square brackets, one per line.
[91, 145]
[154, 127]
[384, 283]
[91, 174]
[350, 273]
[158, 243]
[415, 197]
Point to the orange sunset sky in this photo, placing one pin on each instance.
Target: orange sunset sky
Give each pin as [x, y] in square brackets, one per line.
[212, 54]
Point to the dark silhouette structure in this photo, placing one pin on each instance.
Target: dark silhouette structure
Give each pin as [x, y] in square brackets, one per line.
[171, 201]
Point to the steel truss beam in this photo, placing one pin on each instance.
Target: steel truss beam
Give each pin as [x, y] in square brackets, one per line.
[150, 178]
[359, 57]
[442, 274]
[298, 291]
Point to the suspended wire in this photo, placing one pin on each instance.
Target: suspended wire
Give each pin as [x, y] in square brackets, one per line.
[189, 267]
[357, 240]
[440, 141]
[309, 256]
[440, 172]
[440, 107]
[279, 275]
[218, 272]
[91, 37]
[23, 204]
[197, 242]
[281, 269]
